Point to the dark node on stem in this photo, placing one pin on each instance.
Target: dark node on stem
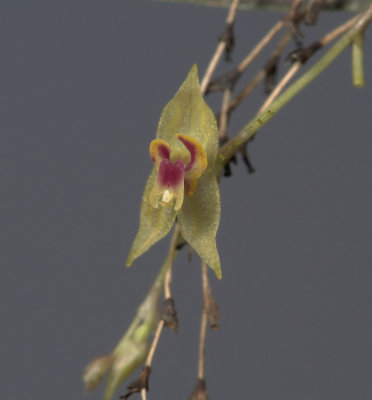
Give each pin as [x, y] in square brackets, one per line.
[227, 171]
[169, 314]
[200, 391]
[313, 11]
[271, 69]
[303, 54]
[228, 37]
[247, 161]
[293, 19]
[297, 35]
[223, 82]
[181, 245]
[270, 80]
[137, 385]
[295, 27]
[180, 242]
[227, 168]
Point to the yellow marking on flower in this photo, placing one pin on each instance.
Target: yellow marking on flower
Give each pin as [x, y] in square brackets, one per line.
[159, 150]
[198, 162]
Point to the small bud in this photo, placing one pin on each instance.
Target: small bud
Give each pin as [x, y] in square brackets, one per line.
[95, 371]
[131, 356]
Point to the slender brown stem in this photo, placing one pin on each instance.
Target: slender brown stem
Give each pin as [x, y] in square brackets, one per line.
[203, 324]
[279, 87]
[232, 12]
[154, 343]
[212, 66]
[152, 350]
[219, 50]
[268, 37]
[167, 294]
[338, 31]
[248, 89]
[168, 274]
[224, 114]
[260, 46]
[203, 334]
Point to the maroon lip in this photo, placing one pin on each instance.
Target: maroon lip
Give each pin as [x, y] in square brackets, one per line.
[171, 174]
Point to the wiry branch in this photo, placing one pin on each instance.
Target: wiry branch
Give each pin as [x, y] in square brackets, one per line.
[220, 47]
[162, 321]
[233, 145]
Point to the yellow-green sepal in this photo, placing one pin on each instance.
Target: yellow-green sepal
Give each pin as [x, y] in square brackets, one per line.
[188, 114]
[199, 218]
[155, 223]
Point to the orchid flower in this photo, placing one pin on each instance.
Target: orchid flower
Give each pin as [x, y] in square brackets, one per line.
[182, 184]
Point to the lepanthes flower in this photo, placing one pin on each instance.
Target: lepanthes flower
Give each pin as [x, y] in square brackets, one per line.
[182, 184]
[175, 177]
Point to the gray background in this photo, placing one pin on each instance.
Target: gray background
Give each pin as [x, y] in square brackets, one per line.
[82, 85]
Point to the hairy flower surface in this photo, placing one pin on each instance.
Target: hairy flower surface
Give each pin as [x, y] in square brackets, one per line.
[182, 184]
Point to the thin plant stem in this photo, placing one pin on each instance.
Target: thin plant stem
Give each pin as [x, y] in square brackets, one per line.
[233, 145]
[260, 46]
[203, 324]
[269, 36]
[279, 87]
[168, 274]
[248, 89]
[154, 344]
[212, 66]
[224, 114]
[167, 294]
[203, 334]
[232, 12]
[219, 50]
[152, 350]
[338, 31]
